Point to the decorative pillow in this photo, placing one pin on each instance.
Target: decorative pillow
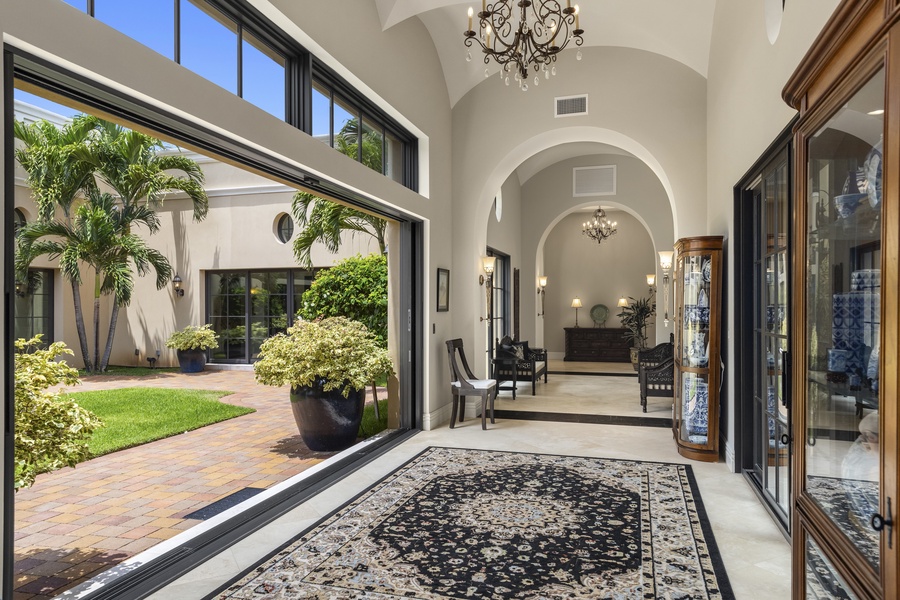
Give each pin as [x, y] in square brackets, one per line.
[519, 351]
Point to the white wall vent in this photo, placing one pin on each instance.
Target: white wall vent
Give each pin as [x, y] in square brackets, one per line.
[594, 181]
[570, 106]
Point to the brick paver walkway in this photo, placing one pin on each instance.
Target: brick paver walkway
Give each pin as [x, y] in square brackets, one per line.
[75, 523]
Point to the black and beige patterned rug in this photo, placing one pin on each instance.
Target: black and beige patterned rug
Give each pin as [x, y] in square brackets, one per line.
[456, 523]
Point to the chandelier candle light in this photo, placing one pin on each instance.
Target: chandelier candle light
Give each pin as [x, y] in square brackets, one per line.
[543, 29]
[599, 227]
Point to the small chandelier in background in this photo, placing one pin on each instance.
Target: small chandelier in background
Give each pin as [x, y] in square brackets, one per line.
[599, 227]
[543, 29]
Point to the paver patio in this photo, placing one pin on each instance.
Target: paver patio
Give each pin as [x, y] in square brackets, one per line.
[75, 523]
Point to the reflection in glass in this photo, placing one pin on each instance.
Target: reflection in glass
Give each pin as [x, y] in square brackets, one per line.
[843, 316]
[373, 145]
[209, 44]
[321, 113]
[33, 305]
[393, 158]
[346, 128]
[149, 22]
[262, 76]
[822, 580]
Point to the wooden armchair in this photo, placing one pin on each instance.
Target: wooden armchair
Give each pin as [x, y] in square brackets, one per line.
[656, 372]
[515, 360]
[463, 383]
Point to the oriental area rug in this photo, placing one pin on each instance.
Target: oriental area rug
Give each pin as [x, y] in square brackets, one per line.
[458, 523]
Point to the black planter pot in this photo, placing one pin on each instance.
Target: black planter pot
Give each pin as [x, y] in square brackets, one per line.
[191, 361]
[327, 421]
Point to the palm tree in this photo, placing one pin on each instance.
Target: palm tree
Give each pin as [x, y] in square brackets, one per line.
[323, 221]
[65, 162]
[99, 236]
[131, 164]
[56, 177]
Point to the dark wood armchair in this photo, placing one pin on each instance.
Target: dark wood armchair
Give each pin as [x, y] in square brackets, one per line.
[463, 383]
[656, 372]
[514, 361]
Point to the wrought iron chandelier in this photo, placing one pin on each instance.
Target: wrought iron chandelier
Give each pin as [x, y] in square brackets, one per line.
[599, 227]
[543, 29]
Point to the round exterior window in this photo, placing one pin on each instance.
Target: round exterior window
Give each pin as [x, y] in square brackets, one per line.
[284, 228]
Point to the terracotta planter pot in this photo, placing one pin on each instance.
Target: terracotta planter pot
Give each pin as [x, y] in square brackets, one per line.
[191, 361]
[327, 421]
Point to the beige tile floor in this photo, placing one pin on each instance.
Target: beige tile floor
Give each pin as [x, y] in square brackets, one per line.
[755, 554]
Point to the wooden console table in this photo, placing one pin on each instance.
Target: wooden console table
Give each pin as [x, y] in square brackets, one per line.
[606, 344]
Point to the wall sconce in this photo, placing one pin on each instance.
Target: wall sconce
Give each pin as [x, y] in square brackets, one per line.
[542, 283]
[176, 283]
[21, 288]
[651, 280]
[576, 304]
[665, 263]
[487, 263]
[623, 302]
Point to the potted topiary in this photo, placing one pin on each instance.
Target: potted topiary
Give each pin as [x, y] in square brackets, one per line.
[191, 344]
[635, 317]
[328, 363]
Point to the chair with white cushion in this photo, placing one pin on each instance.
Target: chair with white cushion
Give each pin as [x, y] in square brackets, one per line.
[463, 383]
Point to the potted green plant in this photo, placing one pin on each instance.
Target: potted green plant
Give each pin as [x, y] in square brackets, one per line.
[635, 317]
[191, 344]
[328, 363]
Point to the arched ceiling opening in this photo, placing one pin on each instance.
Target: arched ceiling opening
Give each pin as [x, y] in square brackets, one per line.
[679, 30]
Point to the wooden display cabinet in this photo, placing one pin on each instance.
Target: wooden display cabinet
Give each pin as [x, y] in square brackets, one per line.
[843, 363]
[697, 291]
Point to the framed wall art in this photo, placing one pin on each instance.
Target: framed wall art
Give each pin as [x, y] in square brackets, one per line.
[443, 290]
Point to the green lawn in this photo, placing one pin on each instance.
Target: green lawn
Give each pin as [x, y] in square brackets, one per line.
[138, 371]
[134, 416]
[370, 425]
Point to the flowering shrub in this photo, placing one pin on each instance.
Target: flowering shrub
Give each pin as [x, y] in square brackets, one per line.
[52, 431]
[193, 337]
[342, 352]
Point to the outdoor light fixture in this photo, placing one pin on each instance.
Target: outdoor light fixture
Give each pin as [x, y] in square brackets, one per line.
[576, 304]
[542, 283]
[599, 227]
[623, 302]
[176, 283]
[487, 263]
[665, 263]
[21, 288]
[531, 40]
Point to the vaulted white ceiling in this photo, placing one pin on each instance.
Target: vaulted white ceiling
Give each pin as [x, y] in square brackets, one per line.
[680, 30]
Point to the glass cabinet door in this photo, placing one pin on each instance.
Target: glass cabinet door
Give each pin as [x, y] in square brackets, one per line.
[842, 457]
[696, 271]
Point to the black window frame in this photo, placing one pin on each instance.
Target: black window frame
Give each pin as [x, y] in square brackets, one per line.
[26, 68]
[292, 272]
[301, 68]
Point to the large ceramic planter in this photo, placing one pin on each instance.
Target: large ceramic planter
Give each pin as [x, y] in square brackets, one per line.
[191, 361]
[327, 421]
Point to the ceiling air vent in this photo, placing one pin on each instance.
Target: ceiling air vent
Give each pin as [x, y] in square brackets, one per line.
[570, 106]
[594, 181]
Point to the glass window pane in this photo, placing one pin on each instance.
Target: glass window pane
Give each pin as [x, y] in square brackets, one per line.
[843, 456]
[321, 113]
[373, 145]
[346, 128]
[262, 77]
[393, 158]
[150, 22]
[209, 44]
